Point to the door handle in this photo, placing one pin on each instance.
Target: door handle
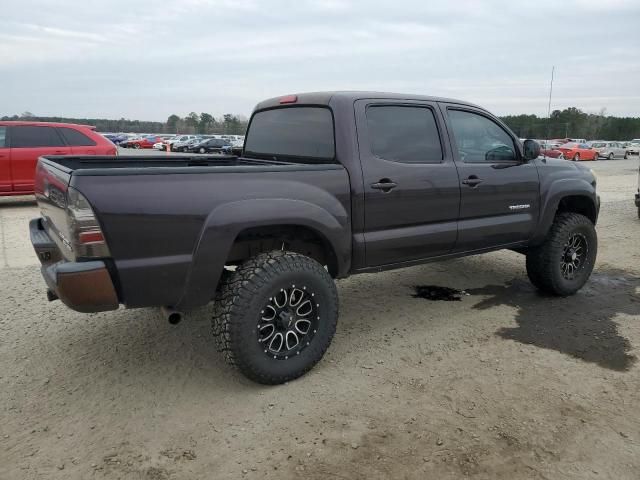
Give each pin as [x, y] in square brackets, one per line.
[59, 152]
[472, 181]
[385, 185]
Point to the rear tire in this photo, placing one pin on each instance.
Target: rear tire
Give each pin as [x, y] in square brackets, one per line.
[576, 157]
[270, 298]
[202, 150]
[611, 156]
[563, 263]
[626, 155]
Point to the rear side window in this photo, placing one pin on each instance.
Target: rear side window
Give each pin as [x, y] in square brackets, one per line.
[25, 136]
[404, 134]
[305, 132]
[3, 137]
[76, 138]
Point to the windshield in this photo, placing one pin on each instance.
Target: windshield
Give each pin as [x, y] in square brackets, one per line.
[304, 132]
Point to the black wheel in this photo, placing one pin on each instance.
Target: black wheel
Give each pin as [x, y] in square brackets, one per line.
[275, 316]
[136, 146]
[626, 155]
[576, 157]
[202, 150]
[610, 157]
[564, 262]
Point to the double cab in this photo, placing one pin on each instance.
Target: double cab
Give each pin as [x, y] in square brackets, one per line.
[328, 185]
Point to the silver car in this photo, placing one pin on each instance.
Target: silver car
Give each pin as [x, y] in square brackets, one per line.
[609, 150]
[633, 147]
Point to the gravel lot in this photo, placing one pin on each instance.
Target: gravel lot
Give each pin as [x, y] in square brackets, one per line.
[503, 384]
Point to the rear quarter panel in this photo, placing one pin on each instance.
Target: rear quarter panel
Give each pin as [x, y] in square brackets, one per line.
[170, 234]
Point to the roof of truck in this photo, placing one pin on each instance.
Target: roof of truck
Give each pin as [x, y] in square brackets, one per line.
[324, 98]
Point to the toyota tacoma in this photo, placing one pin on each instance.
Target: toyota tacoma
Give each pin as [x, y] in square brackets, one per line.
[327, 185]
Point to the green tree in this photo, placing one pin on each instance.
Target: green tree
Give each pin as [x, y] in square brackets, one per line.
[172, 123]
[206, 120]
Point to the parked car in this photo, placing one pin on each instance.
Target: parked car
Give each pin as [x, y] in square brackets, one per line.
[185, 145]
[264, 235]
[141, 142]
[609, 150]
[578, 151]
[211, 145]
[21, 143]
[549, 150]
[633, 147]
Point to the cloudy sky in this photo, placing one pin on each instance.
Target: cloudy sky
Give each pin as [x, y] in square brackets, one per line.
[148, 59]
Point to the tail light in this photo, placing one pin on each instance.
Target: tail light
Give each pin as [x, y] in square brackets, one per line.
[87, 239]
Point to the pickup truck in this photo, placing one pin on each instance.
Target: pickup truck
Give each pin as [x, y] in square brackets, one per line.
[328, 185]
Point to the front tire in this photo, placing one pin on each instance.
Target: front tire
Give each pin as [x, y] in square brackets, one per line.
[275, 316]
[610, 156]
[563, 263]
[202, 150]
[576, 157]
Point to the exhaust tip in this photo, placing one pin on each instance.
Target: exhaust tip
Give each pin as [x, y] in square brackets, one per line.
[173, 316]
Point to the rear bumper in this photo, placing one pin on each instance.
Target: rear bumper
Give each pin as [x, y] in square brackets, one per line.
[82, 286]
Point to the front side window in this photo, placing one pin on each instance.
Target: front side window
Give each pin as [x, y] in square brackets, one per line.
[75, 138]
[30, 136]
[3, 137]
[404, 134]
[480, 139]
[301, 132]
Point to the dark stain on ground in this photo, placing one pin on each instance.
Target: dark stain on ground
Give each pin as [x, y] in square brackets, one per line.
[581, 326]
[433, 292]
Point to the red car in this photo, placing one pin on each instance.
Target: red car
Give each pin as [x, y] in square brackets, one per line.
[141, 142]
[550, 150]
[21, 143]
[578, 151]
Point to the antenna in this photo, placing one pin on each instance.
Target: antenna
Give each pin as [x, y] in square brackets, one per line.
[553, 68]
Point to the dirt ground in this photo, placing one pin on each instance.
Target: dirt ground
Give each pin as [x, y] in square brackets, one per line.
[503, 384]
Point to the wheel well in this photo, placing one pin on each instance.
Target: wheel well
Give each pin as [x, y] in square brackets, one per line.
[579, 204]
[294, 238]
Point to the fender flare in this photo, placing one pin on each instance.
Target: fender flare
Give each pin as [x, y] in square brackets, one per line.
[559, 189]
[227, 221]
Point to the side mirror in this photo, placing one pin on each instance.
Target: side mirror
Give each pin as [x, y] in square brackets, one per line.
[531, 150]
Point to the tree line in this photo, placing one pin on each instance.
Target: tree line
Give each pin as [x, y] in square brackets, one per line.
[570, 122]
[204, 123]
[574, 123]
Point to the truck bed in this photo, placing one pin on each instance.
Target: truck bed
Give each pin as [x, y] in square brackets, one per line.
[170, 221]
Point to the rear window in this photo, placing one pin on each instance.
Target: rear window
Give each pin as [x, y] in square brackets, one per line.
[305, 132]
[25, 136]
[75, 138]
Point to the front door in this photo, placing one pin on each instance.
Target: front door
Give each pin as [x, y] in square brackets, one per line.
[5, 162]
[499, 190]
[28, 143]
[411, 186]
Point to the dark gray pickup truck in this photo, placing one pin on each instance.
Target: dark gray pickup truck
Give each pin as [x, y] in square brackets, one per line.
[328, 185]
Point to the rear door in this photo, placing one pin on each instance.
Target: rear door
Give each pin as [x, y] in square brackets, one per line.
[28, 142]
[412, 191]
[499, 191]
[5, 162]
[79, 143]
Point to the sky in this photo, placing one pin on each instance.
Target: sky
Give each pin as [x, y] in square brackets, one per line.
[149, 59]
